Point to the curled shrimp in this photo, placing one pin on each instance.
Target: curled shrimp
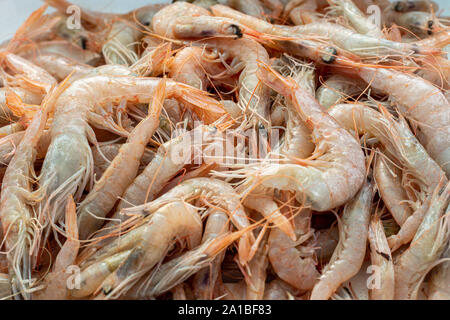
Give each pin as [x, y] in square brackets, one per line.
[348, 256]
[216, 190]
[313, 179]
[69, 159]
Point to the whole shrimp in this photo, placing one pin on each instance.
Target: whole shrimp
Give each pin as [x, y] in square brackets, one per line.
[55, 283]
[214, 190]
[18, 221]
[205, 280]
[69, 159]
[349, 254]
[145, 245]
[318, 181]
[420, 101]
[291, 264]
[122, 169]
[428, 244]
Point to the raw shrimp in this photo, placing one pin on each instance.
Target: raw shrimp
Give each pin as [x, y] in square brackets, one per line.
[205, 280]
[420, 24]
[26, 73]
[348, 256]
[193, 65]
[214, 190]
[289, 263]
[122, 170]
[256, 274]
[104, 154]
[381, 260]
[420, 101]
[179, 269]
[357, 19]
[182, 20]
[389, 182]
[269, 209]
[170, 158]
[120, 48]
[336, 89]
[330, 176]
[19, 224]
[174, 220]
[69, 159]
[56, 281]
[60, 67]
[426, 247]
[439, 283]
[253, 95]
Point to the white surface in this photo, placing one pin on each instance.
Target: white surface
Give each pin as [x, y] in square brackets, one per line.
[14, 12]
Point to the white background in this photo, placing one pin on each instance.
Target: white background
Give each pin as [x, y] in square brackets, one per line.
[14, 12]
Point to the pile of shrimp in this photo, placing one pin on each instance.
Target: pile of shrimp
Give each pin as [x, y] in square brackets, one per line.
[244, 150]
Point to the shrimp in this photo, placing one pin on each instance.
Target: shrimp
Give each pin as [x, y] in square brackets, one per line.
[421, 24]
[413, 5]
[250, 7]
[192, 65]
[174, 220]
[122, 169]
[182, 20]
[179, 269]
[303, 11]
[26, 73]
[170, 158]
[336, 89]
[344, 38]
[356, 18]
[56, 281]
[5, 288]
[24, 96]
[420, 101]
[253, 96]
[348, 256]
[269, 209]
[60, 67]
[213, 189]
[256, 274]
[69, 159]
[205, 279]
[18, 221]
[439, 283]
[381, 258]
[426, 247]
[289, 263]
[106, 153]
[120, 48]
[317, 181]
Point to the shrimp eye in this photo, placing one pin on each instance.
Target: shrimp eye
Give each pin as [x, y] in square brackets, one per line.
[147, 23]
[430, 27]
[83, 42]
[331, 56]
[399, 7]
[236, 30]
[107, 289]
